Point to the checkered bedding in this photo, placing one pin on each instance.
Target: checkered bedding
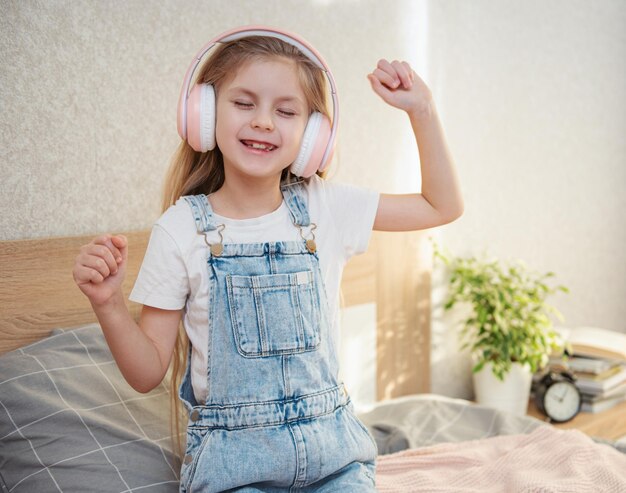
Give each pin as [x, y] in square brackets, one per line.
[70, 423]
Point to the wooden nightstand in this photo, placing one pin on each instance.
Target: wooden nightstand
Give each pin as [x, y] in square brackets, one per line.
[609, 424]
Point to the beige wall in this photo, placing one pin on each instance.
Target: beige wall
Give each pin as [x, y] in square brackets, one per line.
[89, 92]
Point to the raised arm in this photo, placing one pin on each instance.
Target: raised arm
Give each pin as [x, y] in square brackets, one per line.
[440, 200]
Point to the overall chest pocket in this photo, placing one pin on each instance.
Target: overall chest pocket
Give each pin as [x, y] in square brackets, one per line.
[274, 314]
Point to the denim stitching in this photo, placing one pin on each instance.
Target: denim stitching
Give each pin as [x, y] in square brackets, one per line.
[297, 207]
[301, 461]
[297, 316]
[337, 389]
[293, 486]
[285, 368]
[233, 314]
[302, 419]
[260, 315]
[196, 455]
[250, 286]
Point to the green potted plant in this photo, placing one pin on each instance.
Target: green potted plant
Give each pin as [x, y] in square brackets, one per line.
[508, 332]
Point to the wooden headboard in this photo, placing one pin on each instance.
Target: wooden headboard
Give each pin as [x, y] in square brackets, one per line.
[38, 294]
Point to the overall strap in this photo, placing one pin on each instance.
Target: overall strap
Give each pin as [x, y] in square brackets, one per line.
[295, 198]
[202, 212]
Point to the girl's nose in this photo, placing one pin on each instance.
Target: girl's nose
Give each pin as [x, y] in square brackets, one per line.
[262, 120]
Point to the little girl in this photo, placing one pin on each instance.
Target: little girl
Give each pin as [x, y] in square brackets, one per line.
[249, 253]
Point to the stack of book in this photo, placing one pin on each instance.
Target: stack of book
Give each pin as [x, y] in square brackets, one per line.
[599, 364]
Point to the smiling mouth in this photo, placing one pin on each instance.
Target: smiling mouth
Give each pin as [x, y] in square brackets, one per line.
[261, 146]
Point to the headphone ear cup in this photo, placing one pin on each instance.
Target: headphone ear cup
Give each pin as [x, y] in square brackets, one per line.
[314, 143]
[201, 118]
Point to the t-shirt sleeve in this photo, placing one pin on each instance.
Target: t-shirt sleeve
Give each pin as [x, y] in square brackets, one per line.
[353, 210]
[162, 281]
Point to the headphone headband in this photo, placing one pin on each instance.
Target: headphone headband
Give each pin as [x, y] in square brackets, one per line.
[258, 30]
[291, 39]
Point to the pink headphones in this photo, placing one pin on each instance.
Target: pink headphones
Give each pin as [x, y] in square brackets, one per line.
[196, 107]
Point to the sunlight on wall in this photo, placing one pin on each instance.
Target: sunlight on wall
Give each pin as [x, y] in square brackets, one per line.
[325, 3]
[357, 353]
[407, 177]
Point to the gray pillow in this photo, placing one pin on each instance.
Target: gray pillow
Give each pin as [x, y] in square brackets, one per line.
[69, 422]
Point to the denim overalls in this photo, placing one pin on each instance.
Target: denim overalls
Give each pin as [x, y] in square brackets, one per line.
[276, 418]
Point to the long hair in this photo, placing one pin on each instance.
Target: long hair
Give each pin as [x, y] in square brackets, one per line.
[193, 172]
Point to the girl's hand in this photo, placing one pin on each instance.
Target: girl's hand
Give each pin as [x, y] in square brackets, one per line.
[100, 267]
[399, 86]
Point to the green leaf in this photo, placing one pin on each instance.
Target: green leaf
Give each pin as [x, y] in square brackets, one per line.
[510, 319]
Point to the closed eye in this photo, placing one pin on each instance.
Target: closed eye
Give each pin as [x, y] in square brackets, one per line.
[286, 112]
[243, 105]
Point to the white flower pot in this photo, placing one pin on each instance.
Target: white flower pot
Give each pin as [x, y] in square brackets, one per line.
[510, 394]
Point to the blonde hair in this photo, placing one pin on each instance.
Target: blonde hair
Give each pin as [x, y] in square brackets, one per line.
[192, 172]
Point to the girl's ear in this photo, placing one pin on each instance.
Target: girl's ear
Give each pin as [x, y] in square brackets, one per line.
[201, 118]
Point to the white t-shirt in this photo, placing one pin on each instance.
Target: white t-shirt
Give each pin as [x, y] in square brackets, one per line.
[174, 273]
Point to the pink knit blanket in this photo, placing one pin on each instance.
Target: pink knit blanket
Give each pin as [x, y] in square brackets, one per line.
[546, 460]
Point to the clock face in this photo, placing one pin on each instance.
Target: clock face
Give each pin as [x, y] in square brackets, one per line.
[561, 401]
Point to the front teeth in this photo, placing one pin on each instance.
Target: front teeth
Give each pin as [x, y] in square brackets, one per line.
[258, 145]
